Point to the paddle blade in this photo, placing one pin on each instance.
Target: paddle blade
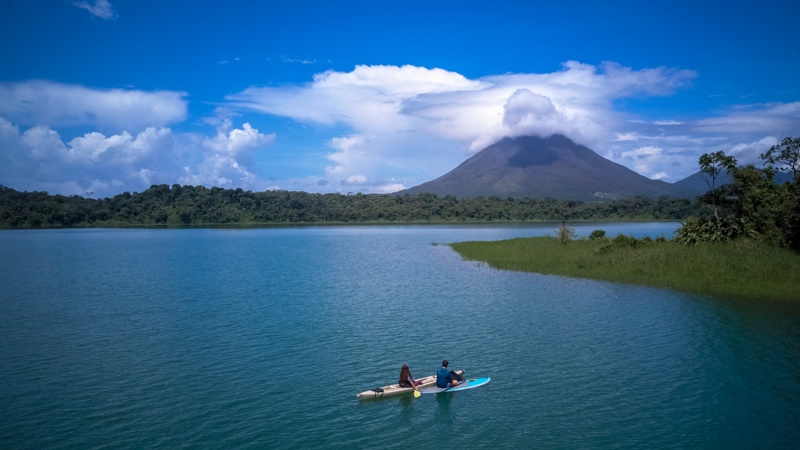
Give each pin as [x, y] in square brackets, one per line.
[416, 394]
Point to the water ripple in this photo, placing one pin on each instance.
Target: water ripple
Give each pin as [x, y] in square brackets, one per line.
[262, 338]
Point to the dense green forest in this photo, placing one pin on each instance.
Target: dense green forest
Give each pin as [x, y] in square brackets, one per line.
[197, 205]
[753, 206]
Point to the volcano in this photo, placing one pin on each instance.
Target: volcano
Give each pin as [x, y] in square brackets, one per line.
[541, 167]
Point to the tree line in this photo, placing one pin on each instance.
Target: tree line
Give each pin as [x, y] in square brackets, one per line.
[752, 206]
[176, 205]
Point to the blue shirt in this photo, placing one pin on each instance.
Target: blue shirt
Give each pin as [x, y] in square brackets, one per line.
[443, 378]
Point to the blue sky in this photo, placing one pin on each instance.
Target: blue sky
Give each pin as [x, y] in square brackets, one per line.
[112, 96]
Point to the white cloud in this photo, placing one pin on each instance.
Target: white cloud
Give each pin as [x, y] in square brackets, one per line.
[299, 61]
[345, 143]
[642, 152]
[352, 153]
[234, 142]
[91, 146]
[771, 118]
[94, 162]
[626, 137]
[388, 127]
[369, 98]
[528, 113]
[99, 8]
[56, 104]
[749, 152]
[228, 158]
[390, 188]
[650, 161]
[355, 180]
[399, 82]
[400, 116]
[38, 158]
[659, 176]
[43, 143]
[743, 131]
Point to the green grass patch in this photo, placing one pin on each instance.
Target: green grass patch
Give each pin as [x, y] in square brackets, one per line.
[734, 269]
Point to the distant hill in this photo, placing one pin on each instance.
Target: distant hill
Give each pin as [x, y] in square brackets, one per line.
[696, 184]
[536, 167]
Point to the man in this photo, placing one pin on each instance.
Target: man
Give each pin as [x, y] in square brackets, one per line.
[445, 378]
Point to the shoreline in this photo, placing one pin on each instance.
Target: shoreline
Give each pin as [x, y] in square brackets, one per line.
[729, 270]
[333, 224]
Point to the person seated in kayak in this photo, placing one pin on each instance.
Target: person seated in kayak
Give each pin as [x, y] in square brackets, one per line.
[406, 380]
[446, 378]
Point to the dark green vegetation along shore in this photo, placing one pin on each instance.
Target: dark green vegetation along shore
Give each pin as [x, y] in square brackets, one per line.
[162, 205]
[735, 269]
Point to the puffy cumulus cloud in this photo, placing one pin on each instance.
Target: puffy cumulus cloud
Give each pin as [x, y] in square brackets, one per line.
[99, 8]
[235, 142]
[38, 158]
[658, 159]
[650, 161]
[355, 180]
[121, 150]
[528, 113]
[400, 116]
[345, 143]
[576, 101]
[43, 143]
[93, 162]
[228, 158]
[56, 104]
[353, 153]
[222, 171]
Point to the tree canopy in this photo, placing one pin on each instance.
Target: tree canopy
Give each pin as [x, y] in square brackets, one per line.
[785, 155]
[176, 205]
[753, 206]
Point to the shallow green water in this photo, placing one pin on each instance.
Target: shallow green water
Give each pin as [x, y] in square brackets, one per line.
[261, 338]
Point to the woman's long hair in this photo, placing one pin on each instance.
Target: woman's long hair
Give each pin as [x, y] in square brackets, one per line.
[404, 374]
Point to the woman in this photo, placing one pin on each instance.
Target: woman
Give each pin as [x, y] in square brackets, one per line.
[406, 380]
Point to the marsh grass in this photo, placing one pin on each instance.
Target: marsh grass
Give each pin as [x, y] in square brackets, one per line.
[736, 269]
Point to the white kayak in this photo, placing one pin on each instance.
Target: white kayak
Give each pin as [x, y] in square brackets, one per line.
[395, 389]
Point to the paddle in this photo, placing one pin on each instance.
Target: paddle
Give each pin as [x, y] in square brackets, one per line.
[416, 393]
[458, 383]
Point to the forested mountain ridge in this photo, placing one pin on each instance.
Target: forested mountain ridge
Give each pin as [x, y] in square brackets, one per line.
[162, 205]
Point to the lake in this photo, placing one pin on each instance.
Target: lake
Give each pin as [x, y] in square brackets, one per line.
[261, 338]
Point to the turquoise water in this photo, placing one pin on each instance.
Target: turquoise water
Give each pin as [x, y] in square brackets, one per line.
[260, 338]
